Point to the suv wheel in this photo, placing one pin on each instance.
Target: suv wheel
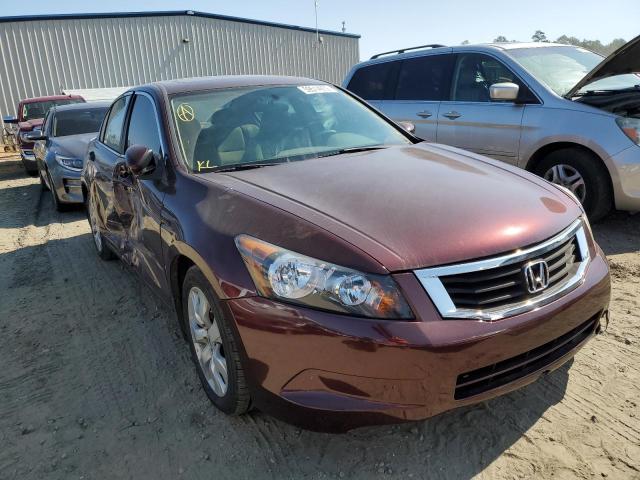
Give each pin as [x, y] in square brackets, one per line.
[584, 175]
[213, 347]
[104, 252]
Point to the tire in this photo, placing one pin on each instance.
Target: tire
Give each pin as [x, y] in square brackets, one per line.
[28, 171]
[43, 184]
[60, 207]
[230, 395]
[595, 194]
[103, 250]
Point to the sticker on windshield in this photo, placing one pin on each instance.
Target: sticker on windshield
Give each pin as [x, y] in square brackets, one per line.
[311, 89]
[185, 112]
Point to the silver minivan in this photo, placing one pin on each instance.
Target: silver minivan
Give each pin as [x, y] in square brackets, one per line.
[557, 110]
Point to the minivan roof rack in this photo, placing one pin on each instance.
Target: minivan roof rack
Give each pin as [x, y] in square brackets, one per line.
[432, 45]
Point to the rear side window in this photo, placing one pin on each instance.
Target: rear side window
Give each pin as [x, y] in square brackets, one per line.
[425, 78]
[375, 82]
[112, 134]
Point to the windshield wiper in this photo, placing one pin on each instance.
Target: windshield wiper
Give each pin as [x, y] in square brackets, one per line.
[352, 150]
[241, 166]
[587, 93]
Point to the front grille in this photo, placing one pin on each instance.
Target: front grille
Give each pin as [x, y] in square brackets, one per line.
[500, 286]
[501, 373]
[516, 282]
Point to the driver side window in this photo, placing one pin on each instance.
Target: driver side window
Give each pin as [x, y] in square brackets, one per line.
[475, 73]
[143, 125]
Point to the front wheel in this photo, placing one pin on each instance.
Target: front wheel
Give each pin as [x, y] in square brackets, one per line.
[213, 347]
[104, 252]
[584, 175]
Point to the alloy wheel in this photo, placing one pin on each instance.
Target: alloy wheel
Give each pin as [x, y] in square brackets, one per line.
[207, 342]
[568, 177]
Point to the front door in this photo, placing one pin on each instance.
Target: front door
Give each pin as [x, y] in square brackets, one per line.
[471, 120]
[138, 198]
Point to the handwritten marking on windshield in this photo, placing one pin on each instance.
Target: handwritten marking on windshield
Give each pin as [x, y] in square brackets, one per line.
[204, 164]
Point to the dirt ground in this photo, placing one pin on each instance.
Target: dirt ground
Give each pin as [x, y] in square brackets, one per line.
[96, 382]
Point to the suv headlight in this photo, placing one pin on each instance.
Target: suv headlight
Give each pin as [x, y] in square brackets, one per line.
[285, 275]
[69, 162]
[630, 127]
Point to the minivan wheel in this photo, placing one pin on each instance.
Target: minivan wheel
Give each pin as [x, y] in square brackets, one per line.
[104, 252]
[584, 175]
[213, 347]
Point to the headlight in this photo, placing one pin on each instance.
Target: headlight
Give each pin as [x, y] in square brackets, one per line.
[285, 275]
[630, 127]
[69, 162]
[24, 136]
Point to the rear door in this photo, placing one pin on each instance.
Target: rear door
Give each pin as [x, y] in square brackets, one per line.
[108, 156]
[471, 120]
[423, 82]
[138, 198]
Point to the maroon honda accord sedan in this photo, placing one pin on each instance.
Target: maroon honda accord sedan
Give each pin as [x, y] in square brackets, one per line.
[330, 268]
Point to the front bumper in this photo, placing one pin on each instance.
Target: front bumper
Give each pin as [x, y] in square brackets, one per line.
[330, 372]
[66, 183]
[626, 178]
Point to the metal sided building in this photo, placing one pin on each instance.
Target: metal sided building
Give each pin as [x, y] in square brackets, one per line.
[46, 54]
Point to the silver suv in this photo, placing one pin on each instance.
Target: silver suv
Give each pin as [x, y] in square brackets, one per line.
[557, 110]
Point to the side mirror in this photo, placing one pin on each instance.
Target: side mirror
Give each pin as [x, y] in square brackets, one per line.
[35, 135]
[504, 91]
[408, 126]
[139, 159]
[10, 119]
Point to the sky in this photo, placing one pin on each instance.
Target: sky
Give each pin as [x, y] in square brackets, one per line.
[388, 25]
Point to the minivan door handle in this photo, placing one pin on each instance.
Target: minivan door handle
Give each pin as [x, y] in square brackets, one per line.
[452, 115]
[424, 114]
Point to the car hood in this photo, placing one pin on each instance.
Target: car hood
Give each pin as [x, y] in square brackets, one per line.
[30, 124]
[414, 206]
[73, 145]
[626, 59]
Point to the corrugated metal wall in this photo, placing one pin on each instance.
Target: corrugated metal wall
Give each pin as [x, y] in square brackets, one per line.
[41, 57]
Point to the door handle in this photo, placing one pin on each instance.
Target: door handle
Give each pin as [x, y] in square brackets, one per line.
[424, 114]
[452, 115]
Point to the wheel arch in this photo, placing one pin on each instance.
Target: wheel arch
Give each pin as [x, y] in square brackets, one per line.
[543, 151]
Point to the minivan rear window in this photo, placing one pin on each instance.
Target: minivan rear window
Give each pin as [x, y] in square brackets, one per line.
[375, 82]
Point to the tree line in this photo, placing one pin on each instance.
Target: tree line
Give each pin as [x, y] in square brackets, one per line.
[593, 45]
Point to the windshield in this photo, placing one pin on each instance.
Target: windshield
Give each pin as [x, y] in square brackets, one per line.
[76, 122]
[39, 109]
[268, 124]
[562, 67]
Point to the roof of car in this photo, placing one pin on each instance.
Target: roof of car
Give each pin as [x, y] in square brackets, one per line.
[51, 97]
[82, 106]
[183, 85]
[514, 45]
[418, 52]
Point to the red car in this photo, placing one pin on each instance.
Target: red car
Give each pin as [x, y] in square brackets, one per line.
[329, 267]
[31, 112]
